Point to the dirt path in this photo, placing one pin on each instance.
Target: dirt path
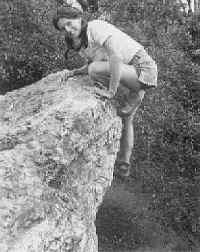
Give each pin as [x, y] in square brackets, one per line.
[125, 223]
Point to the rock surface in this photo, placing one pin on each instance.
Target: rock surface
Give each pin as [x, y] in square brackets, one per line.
[58, 145]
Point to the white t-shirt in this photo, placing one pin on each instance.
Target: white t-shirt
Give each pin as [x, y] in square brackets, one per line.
[123, 45]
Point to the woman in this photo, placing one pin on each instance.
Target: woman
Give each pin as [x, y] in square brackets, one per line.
[124, 62]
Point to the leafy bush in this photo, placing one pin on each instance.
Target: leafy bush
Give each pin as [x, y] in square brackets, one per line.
[30, 47]
[167, 146]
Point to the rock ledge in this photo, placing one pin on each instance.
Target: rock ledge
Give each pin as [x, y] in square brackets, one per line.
[58, 145]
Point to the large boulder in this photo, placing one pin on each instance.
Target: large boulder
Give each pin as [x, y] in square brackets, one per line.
[58, 145]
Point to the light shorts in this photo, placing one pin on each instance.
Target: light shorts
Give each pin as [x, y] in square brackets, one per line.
[146, 68]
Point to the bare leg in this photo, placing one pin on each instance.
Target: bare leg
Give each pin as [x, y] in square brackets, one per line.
[127, 139]
[100, 71]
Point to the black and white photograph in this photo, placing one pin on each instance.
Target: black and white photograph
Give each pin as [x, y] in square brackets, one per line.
[99, 125]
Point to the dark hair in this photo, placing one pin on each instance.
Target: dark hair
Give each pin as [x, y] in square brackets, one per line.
[69, 41]
[67, 12]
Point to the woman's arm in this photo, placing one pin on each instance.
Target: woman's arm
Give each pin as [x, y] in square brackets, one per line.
[115, 73]
[80, 71]
[115, 62]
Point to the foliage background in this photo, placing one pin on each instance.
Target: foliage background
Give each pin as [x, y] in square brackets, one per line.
[167, 150]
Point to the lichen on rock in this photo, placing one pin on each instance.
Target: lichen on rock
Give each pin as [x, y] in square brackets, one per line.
[58, 145]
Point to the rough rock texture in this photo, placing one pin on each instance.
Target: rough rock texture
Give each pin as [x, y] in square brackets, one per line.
[58, 144]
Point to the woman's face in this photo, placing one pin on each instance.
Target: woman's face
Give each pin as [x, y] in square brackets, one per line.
[71, 26]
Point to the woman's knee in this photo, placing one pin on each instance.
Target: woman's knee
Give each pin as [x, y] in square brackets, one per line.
[98, 68]
[92, 69]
